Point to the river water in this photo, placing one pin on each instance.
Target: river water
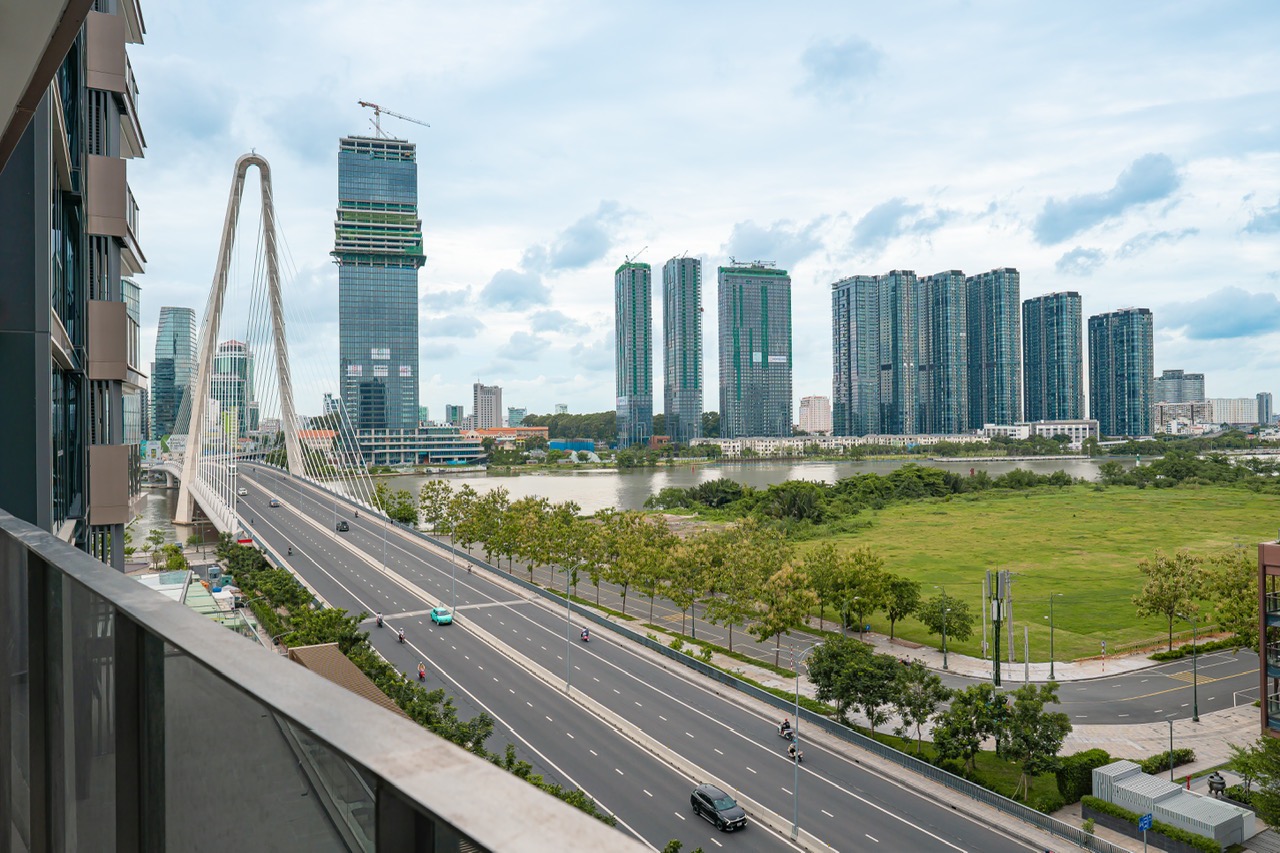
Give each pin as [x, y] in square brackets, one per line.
[599, 489]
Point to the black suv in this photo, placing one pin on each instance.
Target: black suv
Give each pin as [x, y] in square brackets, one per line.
[718, 807]
[343, 527]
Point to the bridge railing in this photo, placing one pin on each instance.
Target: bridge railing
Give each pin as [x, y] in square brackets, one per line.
[130, 722]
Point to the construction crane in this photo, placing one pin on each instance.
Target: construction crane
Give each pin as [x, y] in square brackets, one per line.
[631, 258]
[377, 117]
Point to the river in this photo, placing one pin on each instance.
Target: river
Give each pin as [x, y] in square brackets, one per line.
[628, 489]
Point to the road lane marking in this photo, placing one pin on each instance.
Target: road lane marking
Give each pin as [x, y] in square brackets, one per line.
[571, 737]
[677, 814]
[593, 752]
[872, 837]
[660, 717]
[827, 813]
[688, 734]
[619, 772]
[753, 771]
[646, 791]
[718, 751]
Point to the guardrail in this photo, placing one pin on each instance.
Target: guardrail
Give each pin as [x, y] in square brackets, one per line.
[973, 790]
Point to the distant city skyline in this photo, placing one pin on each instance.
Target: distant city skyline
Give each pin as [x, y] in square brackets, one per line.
[1177, 211]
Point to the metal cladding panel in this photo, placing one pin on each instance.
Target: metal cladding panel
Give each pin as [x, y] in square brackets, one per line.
[1105, 778]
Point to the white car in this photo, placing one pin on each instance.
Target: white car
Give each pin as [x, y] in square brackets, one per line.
[242, 492]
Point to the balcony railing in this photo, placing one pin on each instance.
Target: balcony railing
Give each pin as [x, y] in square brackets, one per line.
[1273, 709]
[1273, 655]
[1273, 602]
[130, 722]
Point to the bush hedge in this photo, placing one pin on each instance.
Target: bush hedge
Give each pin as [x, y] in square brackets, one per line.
[1200, 842]
[1159, 762]
[1240, 794]
[1075, 773]
[1200, 648]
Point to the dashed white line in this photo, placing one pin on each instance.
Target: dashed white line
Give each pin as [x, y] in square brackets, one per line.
[677, 814]
[827, 813]
[660, 717]
[593, 752]
[753, 771]
[619, 772]
[549, 720]
[571, 737]
[785, 791]
[646, 792]
[687, 734]
[717, 750]
[872, 837]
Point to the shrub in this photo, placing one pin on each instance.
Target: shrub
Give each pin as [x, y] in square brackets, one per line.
[677, 644]
[1200, 842]
[1088, 826]
[1240, 794]
[1048, 803]
[1159, 762]
[1201, 648]
[1075, 773]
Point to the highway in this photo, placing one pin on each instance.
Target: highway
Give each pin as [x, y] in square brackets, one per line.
[845, 805]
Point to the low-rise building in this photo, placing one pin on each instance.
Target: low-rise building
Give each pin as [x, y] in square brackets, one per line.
[422, 446]
[731, 448]
[1076, 429]
[1175, 418]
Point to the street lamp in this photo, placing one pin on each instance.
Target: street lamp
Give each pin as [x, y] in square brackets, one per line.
[796, 660]
[1195, 697]
[1051, 598]
[945, 611]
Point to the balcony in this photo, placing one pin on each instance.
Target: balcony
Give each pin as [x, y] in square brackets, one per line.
[130, 722]
[113, 210]
[132, 142]
[1273, 609]
[1273, 711]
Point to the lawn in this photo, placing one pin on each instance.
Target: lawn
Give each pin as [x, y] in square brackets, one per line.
[1082, 543]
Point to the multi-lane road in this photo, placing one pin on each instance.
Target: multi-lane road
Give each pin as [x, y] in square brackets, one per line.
[635, 734]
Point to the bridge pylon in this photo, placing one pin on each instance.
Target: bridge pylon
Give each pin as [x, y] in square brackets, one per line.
[209, 343]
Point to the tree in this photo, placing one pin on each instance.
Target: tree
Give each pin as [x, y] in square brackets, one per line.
[950, 612]
[490, 517]
[1112, 473]
[1231, 581]
[433, 499]
[625, 540]
[820, 566]
[848, 674]
[972, 718]
[1173, 584]
[919, 692]
[155, 540]
[785, 600]
[859, 584]
[751, 553]
[711, 424]
[462, 514]
[901, 599]
[1033, 736]
[654, 557]
[693, 562]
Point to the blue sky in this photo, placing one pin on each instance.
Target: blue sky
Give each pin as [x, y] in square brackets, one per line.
[1130, 152]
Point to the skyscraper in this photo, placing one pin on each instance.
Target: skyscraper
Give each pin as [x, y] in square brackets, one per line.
[173, 370]
[682, 348]
[1121, 359]
[516, 415]
[1177, 386]
[995, 348]
[486, 406]
[633, 363]
[378, 248]
[1265, 413]
[1052, 357]
[942, 317]
[755, 350]
[232, 384]
[899, 352]
[855, 355]
[453, 415]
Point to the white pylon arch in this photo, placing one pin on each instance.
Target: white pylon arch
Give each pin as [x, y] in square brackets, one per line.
[209, 343]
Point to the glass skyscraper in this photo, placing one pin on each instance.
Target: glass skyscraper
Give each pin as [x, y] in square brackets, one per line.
[633, 363]
[173, 370]
[942, 312]
[855, 355]
[1121, 372]
[1178, 386]
[378, 248]
[995, 348]
[1052, 357]
[682, 348]
[755, 350]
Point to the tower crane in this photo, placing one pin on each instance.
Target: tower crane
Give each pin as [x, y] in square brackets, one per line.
[377, 116]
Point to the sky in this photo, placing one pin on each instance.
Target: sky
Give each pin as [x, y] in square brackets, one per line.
[1130, 152]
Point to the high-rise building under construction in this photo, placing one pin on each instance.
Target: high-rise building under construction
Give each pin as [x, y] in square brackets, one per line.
[378, 248]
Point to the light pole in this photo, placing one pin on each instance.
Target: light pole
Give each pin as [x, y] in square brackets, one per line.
[945, 611]
[1051, 598]
[796, 660]
[1195, 692]
[568, 631]
[1171, 750]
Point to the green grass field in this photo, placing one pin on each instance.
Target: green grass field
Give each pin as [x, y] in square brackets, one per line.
[1076, 541]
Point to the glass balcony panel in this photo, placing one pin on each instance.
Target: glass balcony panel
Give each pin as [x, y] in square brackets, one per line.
[81, 697]
[263, 798]
[15, 700]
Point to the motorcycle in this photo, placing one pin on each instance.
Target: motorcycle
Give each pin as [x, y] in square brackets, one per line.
[422, 672]
[290, 550]
[400, 637]
[586, 636]
[379, 620]
[795, 755]
[786, 732]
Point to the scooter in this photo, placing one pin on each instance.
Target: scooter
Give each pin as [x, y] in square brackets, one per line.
[786, 733]
[379, 620]
[290, 550]
[422, 672]
[400, 637]
[795, 755]
[586, 636]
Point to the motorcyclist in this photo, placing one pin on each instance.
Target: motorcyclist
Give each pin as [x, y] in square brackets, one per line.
[357, 513]
[290, 550]
[422, 671]
[791, 751]
[586, 635]
[400, 637]
[785, 728]
[379, 619]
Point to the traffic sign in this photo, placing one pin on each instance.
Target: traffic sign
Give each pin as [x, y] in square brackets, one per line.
[1144, 822]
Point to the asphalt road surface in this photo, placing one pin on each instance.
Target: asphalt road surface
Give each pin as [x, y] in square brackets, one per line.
[842, 803]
